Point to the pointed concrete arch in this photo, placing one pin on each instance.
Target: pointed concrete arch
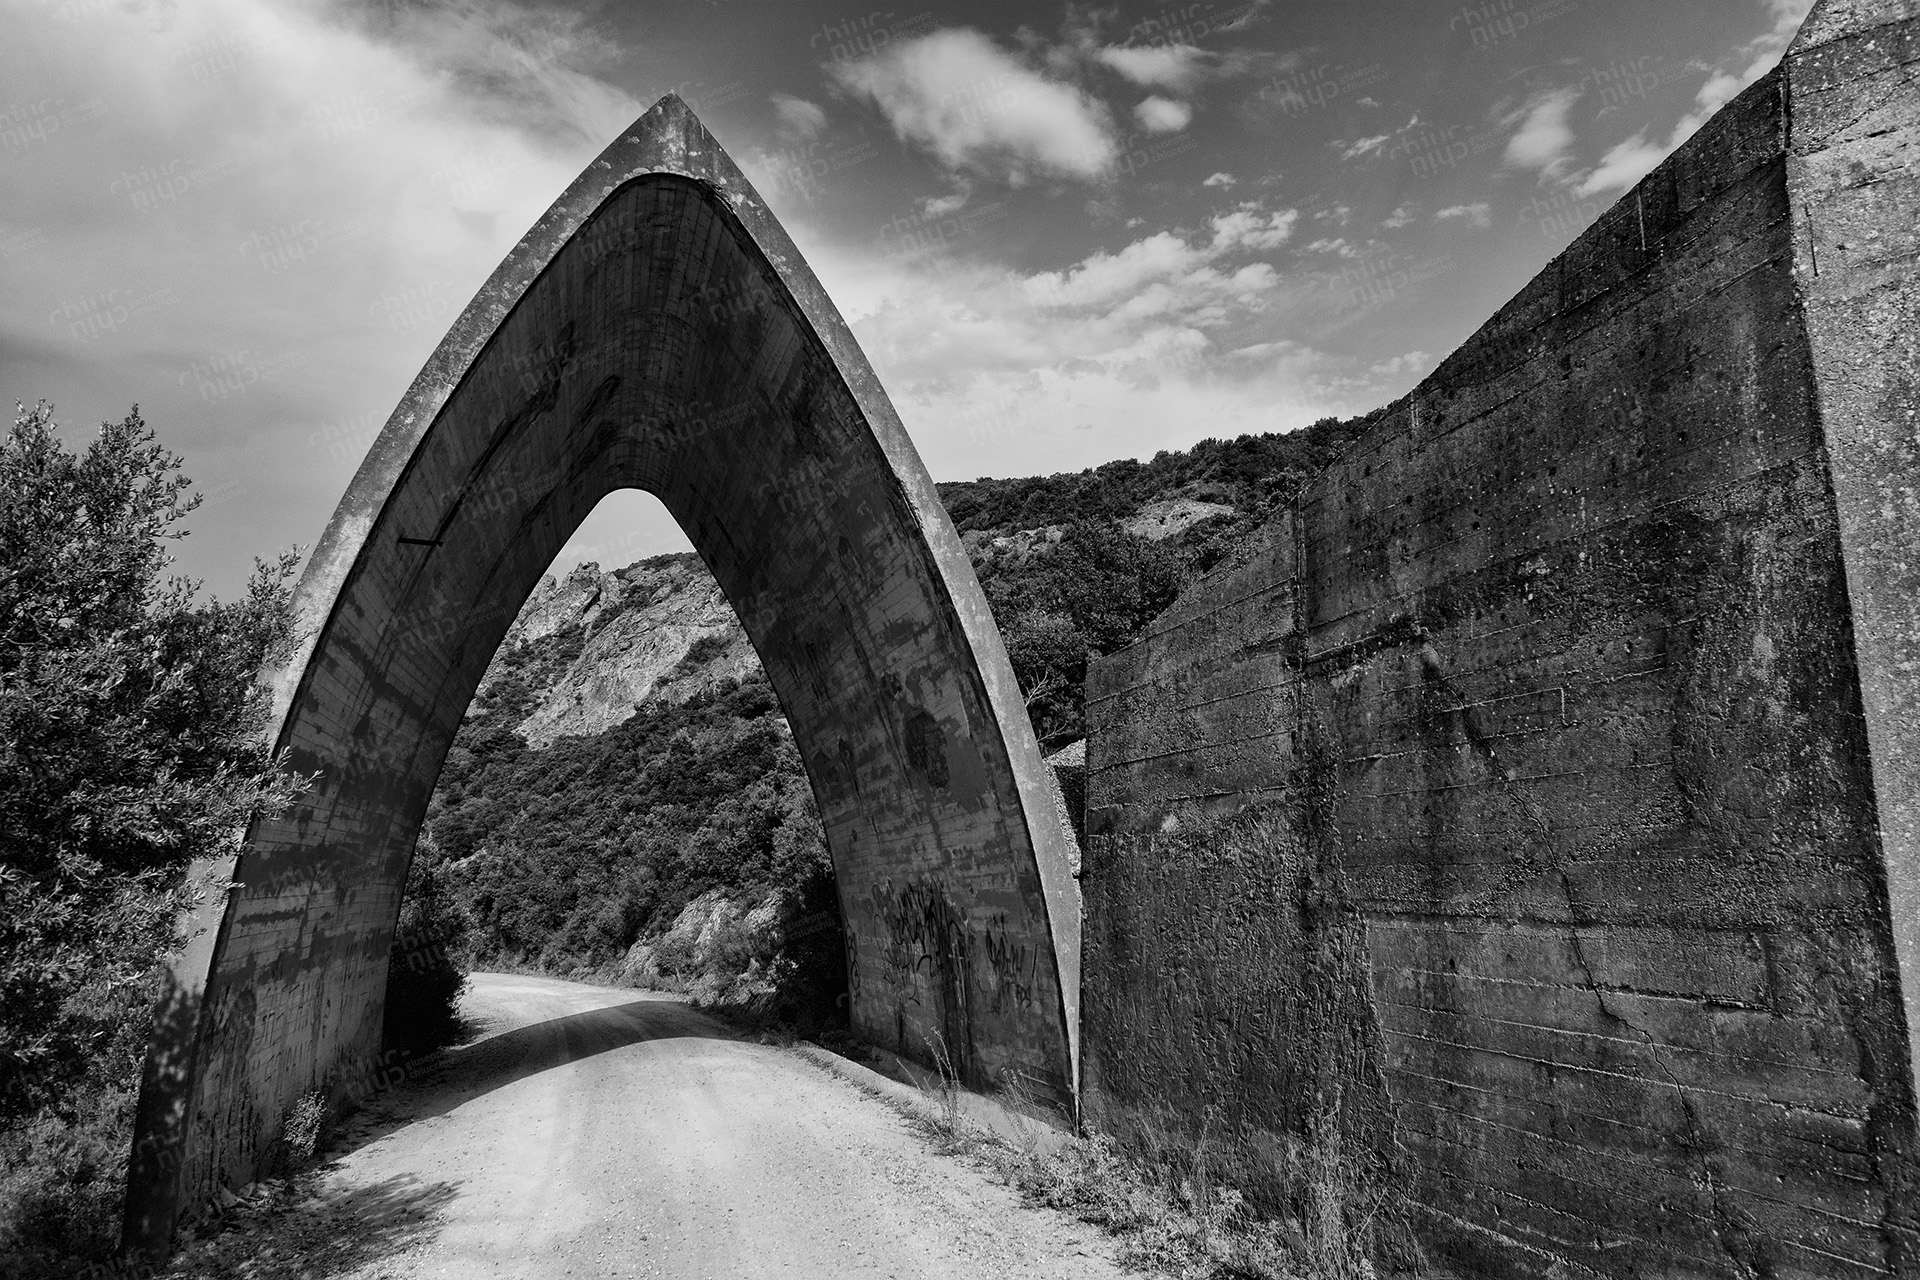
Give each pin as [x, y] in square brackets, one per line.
[656, 330]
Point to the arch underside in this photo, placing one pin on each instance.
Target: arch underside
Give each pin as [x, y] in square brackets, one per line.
[656, 343]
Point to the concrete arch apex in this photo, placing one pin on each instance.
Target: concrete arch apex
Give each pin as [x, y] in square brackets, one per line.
[655, 329]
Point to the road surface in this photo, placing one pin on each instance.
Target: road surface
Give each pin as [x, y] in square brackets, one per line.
[597, 1132]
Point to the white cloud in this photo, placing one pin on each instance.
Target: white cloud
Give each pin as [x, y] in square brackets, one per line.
[1247, 228]
[1411, 362]
[978, 109]
[1222, 179]
[1163, 115]
[797, 119]
[1478, 214]
[1626, 163]
[1178, 67]
[505, 63]
[1159, 275]
[1400, 217]
[1336, 245]
[1363, 147]
[414, 150]
[329, 196]
[1544, 138]
[1154, 345]
[1634, 158]
[940, 206]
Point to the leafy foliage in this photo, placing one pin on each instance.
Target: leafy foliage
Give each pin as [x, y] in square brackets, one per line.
[1094, 589]
[1092, 592]
[129, 747]
[563, 858]
[1255, 474]
[424, 976]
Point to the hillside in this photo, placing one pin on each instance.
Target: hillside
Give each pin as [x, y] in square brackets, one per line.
[590, 648]
[624, 766]
[1078, 564]
[624, 797]
[1254, 475]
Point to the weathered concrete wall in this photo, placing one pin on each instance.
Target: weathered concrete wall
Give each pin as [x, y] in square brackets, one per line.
[1853, 166]
[656, 330]
[1511, 820]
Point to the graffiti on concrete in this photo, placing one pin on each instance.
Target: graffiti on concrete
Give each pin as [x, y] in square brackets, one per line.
[1013, 964]
[928, 948]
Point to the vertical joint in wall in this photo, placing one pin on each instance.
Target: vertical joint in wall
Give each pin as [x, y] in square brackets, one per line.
[1732, 1226]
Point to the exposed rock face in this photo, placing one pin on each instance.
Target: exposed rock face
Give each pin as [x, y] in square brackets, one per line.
[1170, 516]
[712, 933]
[559, 603]
[1011, 549]
[1155, 521]
[657, 629]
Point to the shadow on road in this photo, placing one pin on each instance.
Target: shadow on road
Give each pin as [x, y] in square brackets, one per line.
[320, 1233]
[452, 1077]
[304, 1231]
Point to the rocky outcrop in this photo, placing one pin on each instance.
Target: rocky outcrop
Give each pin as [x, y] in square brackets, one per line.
[1012, 549]
[1169, 516]
[657, 629]
[715, 935]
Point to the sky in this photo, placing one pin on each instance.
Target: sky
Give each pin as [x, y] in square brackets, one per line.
[1063, 233]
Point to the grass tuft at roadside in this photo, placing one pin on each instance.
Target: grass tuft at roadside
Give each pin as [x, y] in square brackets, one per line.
[1166, 1219]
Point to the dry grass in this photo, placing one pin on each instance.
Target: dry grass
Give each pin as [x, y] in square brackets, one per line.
[1170, 1213]
[947, 1124]
[1181, 1226]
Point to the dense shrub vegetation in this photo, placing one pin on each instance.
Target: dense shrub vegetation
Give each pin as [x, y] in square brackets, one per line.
[1096, 588]
[128, 718]
[1090, 593]
[1255, 474]
[562, 859]
[425, 972]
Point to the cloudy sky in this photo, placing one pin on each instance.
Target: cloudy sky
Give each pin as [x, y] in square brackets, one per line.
[1064, 233]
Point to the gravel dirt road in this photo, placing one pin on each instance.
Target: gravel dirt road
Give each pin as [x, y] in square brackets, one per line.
[597, 1132]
